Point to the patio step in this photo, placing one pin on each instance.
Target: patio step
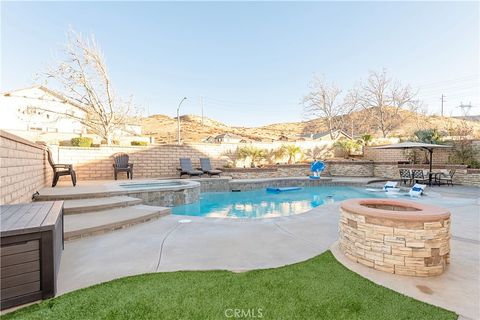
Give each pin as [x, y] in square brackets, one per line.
[93, 223]
[98, 204]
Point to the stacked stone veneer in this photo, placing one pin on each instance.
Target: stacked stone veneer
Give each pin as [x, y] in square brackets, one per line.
[409, 248]
[23, 169]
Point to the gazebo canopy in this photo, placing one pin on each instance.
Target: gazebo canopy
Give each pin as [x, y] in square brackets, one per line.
[413, 145]
[416, 145]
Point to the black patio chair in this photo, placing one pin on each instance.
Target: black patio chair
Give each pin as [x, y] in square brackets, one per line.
[122, 164]
[61, 170]
[186, 168]
[445, 178]
[405, 175]
[206, 167]
[418, 176]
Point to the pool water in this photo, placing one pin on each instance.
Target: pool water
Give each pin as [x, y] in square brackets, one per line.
[263, 204]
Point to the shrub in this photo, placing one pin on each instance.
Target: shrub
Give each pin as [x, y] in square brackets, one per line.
[65, 143]
[139, 143]
[366, 139]
[291, 151]
[255, 154]
[429, 136]
[464, 153]
[347, 146]
[81, 142]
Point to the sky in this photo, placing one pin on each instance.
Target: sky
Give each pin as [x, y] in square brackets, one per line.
[252, 61]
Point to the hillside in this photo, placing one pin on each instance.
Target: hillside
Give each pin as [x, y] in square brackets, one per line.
[164, 128]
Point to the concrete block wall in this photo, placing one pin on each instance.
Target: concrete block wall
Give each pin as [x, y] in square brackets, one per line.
[24, 169]
[440, 156]
[148, 162]
[159, 160]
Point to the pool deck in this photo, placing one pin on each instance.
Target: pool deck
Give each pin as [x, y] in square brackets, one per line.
[169, 244]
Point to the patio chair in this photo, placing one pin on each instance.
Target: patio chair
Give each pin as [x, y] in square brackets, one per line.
[122, 164]
[445, 177]
[417, 190]
[406, 175]
[61, 170]
[206, 167]
[418, 176]
[186, 168]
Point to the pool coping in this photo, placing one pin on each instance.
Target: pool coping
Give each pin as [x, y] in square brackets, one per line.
[110, 189]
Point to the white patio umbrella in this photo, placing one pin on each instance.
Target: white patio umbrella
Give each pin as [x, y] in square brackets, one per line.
[416, 145]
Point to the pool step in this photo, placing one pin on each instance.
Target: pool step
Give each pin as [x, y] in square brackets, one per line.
[98, 204]
[93, 223]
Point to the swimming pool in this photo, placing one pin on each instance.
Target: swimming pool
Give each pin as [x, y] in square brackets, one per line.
[263, 204]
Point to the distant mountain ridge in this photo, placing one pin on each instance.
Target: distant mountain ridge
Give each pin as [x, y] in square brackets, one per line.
[194, 129]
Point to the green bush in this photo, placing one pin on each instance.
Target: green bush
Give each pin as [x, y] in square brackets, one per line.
[255, 154]
[65, 143]
[347, 146]
[81, 142]
[138, 143]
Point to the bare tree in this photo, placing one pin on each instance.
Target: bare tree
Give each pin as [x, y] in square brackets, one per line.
[386, 102]
[86, 84]
[323, 101]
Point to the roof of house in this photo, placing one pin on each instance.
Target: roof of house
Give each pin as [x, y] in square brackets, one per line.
[322, 134]
[227, 135]
[51, 92]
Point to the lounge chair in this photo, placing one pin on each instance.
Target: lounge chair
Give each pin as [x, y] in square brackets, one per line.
[389, 186]
[186, 168]
[405, 175]
[61, 170]
[121, 164]
[417, 190]
[206, 167]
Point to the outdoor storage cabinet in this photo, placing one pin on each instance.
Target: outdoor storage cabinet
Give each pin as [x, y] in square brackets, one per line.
[31, 248]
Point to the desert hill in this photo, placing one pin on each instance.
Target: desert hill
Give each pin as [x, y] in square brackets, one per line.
[193, 129]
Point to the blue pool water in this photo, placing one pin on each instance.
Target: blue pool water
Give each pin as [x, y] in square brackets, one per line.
[262, 204]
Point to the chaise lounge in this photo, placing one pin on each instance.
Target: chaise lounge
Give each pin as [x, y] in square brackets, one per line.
[186, 168]
[206, 167]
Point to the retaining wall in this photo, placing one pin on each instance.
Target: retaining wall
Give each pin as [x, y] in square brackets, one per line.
[24, 169]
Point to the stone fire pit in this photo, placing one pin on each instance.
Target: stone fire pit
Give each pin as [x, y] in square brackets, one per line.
[401, 237]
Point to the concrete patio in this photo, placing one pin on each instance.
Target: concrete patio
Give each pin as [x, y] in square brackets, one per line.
[193, 243]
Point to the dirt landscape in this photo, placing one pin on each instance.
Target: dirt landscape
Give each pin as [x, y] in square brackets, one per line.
[193, 129]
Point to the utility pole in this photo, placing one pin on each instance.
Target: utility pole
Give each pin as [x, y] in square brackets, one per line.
[201, 103]
[178, 120]
[443, 99]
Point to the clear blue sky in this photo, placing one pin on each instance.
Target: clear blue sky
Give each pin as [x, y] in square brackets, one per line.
[252, 61]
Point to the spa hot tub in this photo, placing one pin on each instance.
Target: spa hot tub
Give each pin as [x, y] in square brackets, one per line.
[401, 237]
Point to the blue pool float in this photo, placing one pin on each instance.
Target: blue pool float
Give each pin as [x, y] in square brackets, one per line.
[273, 189]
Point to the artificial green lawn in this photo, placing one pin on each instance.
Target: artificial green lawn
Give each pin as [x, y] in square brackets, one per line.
[320, 288]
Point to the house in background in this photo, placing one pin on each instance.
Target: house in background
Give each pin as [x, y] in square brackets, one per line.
[324, 136]
[36, 109]
[227, 138]
[209, 139]
[39, 113]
